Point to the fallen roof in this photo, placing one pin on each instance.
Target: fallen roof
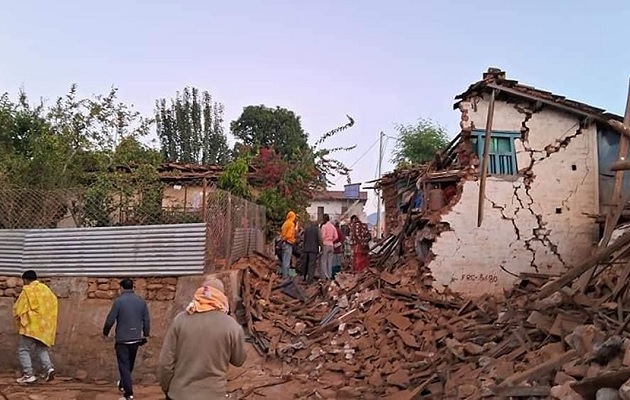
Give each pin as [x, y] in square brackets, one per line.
[495, 78]
[182, 172]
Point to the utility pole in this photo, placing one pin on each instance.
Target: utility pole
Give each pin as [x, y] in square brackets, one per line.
[378, 192]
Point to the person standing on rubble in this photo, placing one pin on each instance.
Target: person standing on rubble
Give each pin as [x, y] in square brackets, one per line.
[133, 326]
[312, 243]
[35, 314]
[360, 238]
[329, 235]
[287, 235]
[199, 347]
[338, 250]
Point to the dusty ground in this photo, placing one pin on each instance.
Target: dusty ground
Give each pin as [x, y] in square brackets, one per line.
[243, 382]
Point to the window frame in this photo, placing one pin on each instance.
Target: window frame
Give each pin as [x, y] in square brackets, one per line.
[480, 136]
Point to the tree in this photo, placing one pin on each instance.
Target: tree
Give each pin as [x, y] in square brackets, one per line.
[75, 142]
[273, 128]
[190, 129]
[417, 144]
[54, 146]
[283, 182]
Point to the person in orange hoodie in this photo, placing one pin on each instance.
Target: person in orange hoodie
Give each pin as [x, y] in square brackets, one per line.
[287, 235]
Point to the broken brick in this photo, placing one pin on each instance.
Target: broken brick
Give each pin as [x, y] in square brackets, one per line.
[399, 378]
[399, 321]
[408, 339]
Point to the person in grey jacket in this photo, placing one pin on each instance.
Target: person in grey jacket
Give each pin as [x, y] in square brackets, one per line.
[310, 250]
[131, 315]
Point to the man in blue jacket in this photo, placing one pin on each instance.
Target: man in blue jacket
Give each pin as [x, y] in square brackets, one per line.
[131, 315]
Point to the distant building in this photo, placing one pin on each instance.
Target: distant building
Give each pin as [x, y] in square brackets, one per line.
[337, 205]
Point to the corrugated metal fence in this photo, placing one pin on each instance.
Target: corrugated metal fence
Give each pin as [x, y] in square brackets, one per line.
[245, 241]
[11, 250]
[150, 250]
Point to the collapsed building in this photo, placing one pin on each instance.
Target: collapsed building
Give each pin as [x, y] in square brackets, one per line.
[492, 283]
[548, 189]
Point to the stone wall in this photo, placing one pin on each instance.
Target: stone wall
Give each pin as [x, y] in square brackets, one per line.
[11, 286]
[158, 289]
[537, 221]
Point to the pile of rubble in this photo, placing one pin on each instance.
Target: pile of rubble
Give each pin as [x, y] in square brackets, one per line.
[388, 334]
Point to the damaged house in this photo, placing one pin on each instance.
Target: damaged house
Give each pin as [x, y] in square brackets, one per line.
[542, 205]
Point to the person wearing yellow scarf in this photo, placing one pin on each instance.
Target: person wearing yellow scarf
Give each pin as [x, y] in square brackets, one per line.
[35, 314]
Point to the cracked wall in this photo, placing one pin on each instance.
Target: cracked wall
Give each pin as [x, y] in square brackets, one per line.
[536, 221]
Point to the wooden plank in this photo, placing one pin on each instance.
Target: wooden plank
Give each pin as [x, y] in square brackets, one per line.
[539, 370]
[269, 288]
[523, 391]
[621, 165]
[623, 153]
[247, 301]
[611, 223]
[569, 276]
[622, 128]
[588, 387]
[484, 163]
[623, 326]
[623, 281]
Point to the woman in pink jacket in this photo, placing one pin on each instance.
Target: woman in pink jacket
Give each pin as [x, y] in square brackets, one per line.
[329, 236]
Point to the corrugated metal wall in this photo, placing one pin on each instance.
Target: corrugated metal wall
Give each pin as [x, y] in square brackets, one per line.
[245, 241]
[152, 250]
[11, 251]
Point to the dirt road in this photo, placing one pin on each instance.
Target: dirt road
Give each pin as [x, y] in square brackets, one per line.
[254, 380]
[67, 389]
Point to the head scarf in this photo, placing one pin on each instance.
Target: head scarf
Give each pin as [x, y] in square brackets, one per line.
[209, 297]
[290, 216]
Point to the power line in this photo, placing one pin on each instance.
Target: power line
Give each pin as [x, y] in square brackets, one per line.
[364, 154]
[360, 158]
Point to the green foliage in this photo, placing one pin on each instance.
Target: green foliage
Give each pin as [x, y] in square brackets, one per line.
[98, 204]
[276, 204]
[418, 144]
[273, 128]
[53, 147]
[130, 152]
[190, 128]
[289, 171]
[234, 178]
[94, 143]
[20, 125]
[78, 142]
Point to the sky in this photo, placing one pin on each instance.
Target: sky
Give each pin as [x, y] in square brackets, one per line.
[381, 62]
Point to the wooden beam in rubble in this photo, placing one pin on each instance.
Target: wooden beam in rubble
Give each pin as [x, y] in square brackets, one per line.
[623, 152]
[486, 155]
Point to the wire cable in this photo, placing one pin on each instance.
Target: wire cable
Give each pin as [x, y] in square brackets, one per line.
[358, 159]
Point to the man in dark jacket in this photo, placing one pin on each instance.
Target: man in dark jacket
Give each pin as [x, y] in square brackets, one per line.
[310, 250]
[133, 326]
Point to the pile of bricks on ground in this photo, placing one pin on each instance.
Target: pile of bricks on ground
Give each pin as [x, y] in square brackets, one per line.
[387, 334]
